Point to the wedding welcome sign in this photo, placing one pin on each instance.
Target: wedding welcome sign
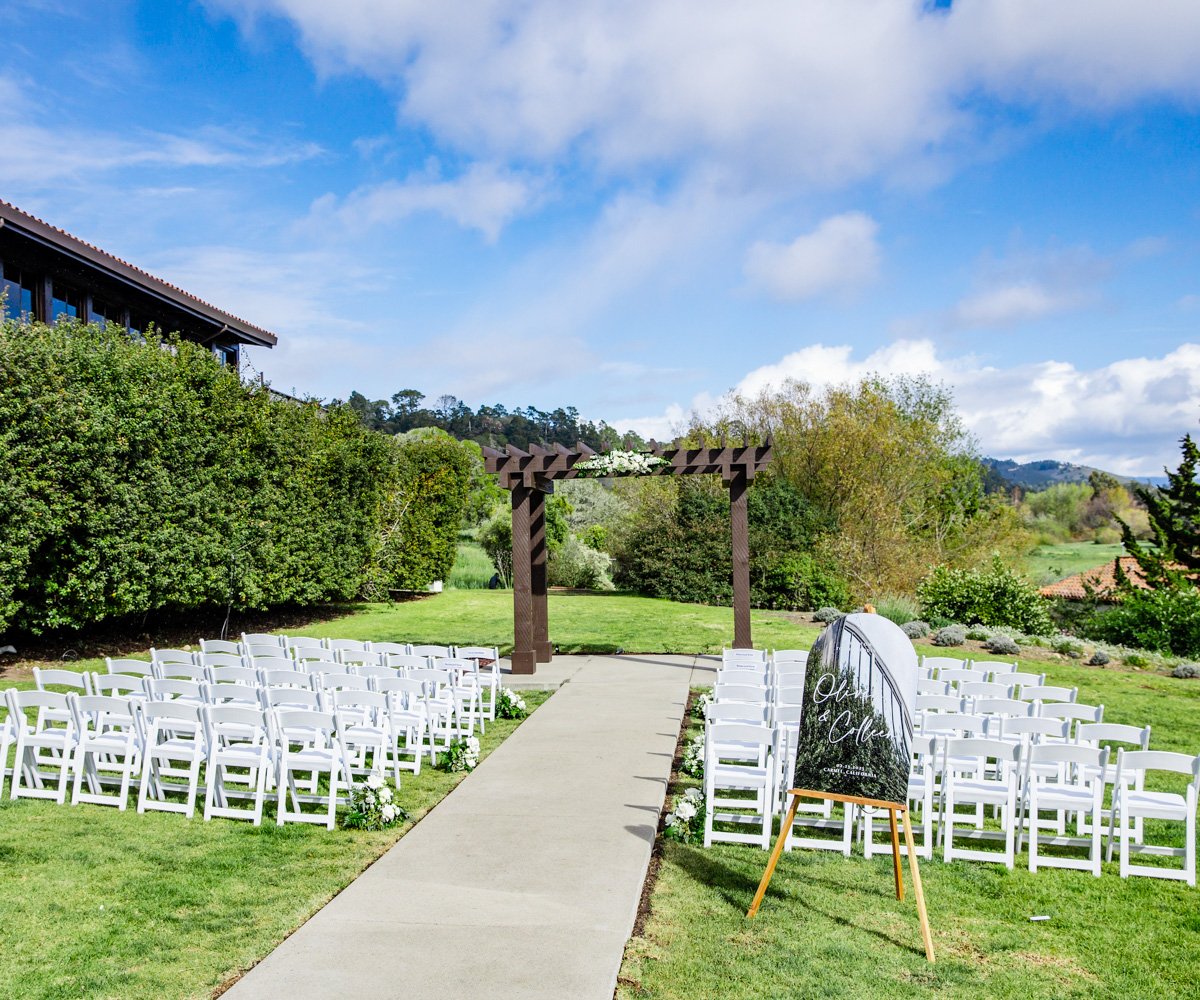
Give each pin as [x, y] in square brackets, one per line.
[856, 727]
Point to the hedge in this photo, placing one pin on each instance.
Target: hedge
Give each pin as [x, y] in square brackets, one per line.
[140, 477]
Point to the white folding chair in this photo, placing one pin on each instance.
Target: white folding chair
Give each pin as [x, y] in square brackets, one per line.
[1007, 707]
[174, 747]
[406, 720]
[75, 682]
[233, 675]
[487, 658]
[307, 744]
[119, 685]
[957, 676]
[921, 787]
[129, 667]
[1071, 711]
[178, 671]
[239, 738]
[214, 661]
[262, 639]
[293, 698]
[1133, 801]
[259, 651]
[990, 667]
[357, 657]
[1062, 778]
[405, 662]
[363, 731]
[984, 689]
[242, 695]
[384, 648]
[295, 644]
[746, 693]
[979, 773]
[109, 746]
[45, 746]
[1018, 678]
[183, 692]
[939, 663]
[747, 786]
[926, 685]
[1094, 734]
[160, 657]
[757, 657]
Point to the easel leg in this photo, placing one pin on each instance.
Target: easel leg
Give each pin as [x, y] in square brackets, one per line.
[766, 879]
[896, 855]
[926, 935]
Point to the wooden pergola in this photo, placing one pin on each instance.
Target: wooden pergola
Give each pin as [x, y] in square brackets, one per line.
[529, 476]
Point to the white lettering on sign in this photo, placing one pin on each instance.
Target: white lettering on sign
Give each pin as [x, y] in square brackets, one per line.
[841, 726]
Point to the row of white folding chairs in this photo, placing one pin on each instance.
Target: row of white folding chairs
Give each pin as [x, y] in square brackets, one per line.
[223, 668]
[1021, 779]
[102, 740]
[931, 706]
[451, 706]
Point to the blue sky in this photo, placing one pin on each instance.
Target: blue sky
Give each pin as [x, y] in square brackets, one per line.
[635, 207]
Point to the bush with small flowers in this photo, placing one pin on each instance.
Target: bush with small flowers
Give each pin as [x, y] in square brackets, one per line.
[373, 805]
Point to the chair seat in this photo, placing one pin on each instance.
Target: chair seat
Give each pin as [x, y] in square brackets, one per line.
[1155, 805]
[981, 791]
[733, 776]
[319, 757]
[1064, 797]
[177, 746]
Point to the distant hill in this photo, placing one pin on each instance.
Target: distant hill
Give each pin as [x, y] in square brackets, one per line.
[1047, 472]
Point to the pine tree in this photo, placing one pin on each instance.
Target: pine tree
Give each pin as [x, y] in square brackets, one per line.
[1174, 513]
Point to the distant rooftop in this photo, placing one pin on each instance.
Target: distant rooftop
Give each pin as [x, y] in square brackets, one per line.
[1102, 580]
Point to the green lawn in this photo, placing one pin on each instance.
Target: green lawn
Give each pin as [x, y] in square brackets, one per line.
[1051, 563]
[472, 567]
[831, 926]
[101, 903]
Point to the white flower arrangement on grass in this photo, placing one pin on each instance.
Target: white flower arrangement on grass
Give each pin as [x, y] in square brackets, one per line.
[461, 755]
[373, 805]
[618, 463]
[685, 822]
[693, 758]
[510, 705]
[700, 705]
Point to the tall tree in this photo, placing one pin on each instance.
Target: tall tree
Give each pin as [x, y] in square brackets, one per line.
[1174, 513]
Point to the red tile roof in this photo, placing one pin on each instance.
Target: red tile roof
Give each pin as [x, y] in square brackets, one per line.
[1101, 579]
[10, 214]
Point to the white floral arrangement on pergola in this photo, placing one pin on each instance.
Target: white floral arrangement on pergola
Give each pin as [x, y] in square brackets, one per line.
[620, 463]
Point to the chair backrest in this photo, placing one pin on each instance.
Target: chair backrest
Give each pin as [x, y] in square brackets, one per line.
[1129, 761]
[119, 685]
[1058, 730]
[958, 675]
[738, 711]
[124, 665]
[992, 666]
[181, 672]
[61, 678]
[172, 655]
[351, 645]
[169, 689]
[265, 651]
[307, 654]
[1018, 678]
[273, 663]
[791, 668]
[262, 639]
[998, 750]
[750, 693]
[233, 675]
[1113, 732]
[940, 663]
[939, 703]
[402, 692]
[1043, 692]
[405, 661]
[173, 715]
[781, 656]
[99, 712]
[233, 694]
[789, 690]
[432, 650]
[284, 679]
[926, 685]
[400, 648]
[306, 726]
[299, 642]
[1070, 710]
[1067, 753]
[373, 670]
[953, 723]
[756, 656]
[220, 646]
[235, 724]
[435, 680]
[354, 657]
[20, 701]
[340, 681]
[366, 704]
[214, 660]
[487, 654]
[1002, 706]
[307, 697]
[741, 733]
[312, 667]
[984, 689]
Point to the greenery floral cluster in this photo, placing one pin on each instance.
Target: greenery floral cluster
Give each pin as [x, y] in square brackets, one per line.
[510, 705]
[373, 805]
[693, 758]
[700, 705]
[461, 755]
[685, 821]
[616, 463]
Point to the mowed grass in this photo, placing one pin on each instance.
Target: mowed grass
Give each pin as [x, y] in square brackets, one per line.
[1051, 563]
[102, 903]
[832, 927]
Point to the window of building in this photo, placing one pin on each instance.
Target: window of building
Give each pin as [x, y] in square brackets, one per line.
[101, 312]
[227, 354]
[18, 300]
[64, 301]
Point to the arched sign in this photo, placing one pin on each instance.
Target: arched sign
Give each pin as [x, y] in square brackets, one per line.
[856, 726]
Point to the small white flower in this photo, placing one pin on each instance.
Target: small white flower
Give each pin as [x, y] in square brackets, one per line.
[685, 810]
[388, 812]
[694, 794]
[374, 780]
[369, 798]
[385, 794]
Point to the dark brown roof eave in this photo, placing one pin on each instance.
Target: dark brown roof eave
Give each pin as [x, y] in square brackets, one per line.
[35, 229]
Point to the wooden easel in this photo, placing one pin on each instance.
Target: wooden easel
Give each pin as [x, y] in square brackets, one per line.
[893, 808]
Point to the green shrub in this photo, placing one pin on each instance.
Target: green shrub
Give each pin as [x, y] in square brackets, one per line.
[951, 635]
[797, 582]
[579, 567]
[993, 596]
[897, 609]
[915, 629]
[1166, 620]
[138, 479]
[827, 614]
[496, 538]
[1002, 645]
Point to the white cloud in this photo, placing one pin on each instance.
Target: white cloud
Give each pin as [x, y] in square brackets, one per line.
[485, 197]
[828, 90]
[1126, 416]
[1012, 304]
[841, 253]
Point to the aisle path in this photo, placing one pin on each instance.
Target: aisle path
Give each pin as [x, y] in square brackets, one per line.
[524, 882]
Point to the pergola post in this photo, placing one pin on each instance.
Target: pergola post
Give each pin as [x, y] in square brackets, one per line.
[524, 656]
[740, 532]
[538, 554]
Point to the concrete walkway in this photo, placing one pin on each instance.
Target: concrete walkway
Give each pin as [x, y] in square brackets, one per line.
[525, 881]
